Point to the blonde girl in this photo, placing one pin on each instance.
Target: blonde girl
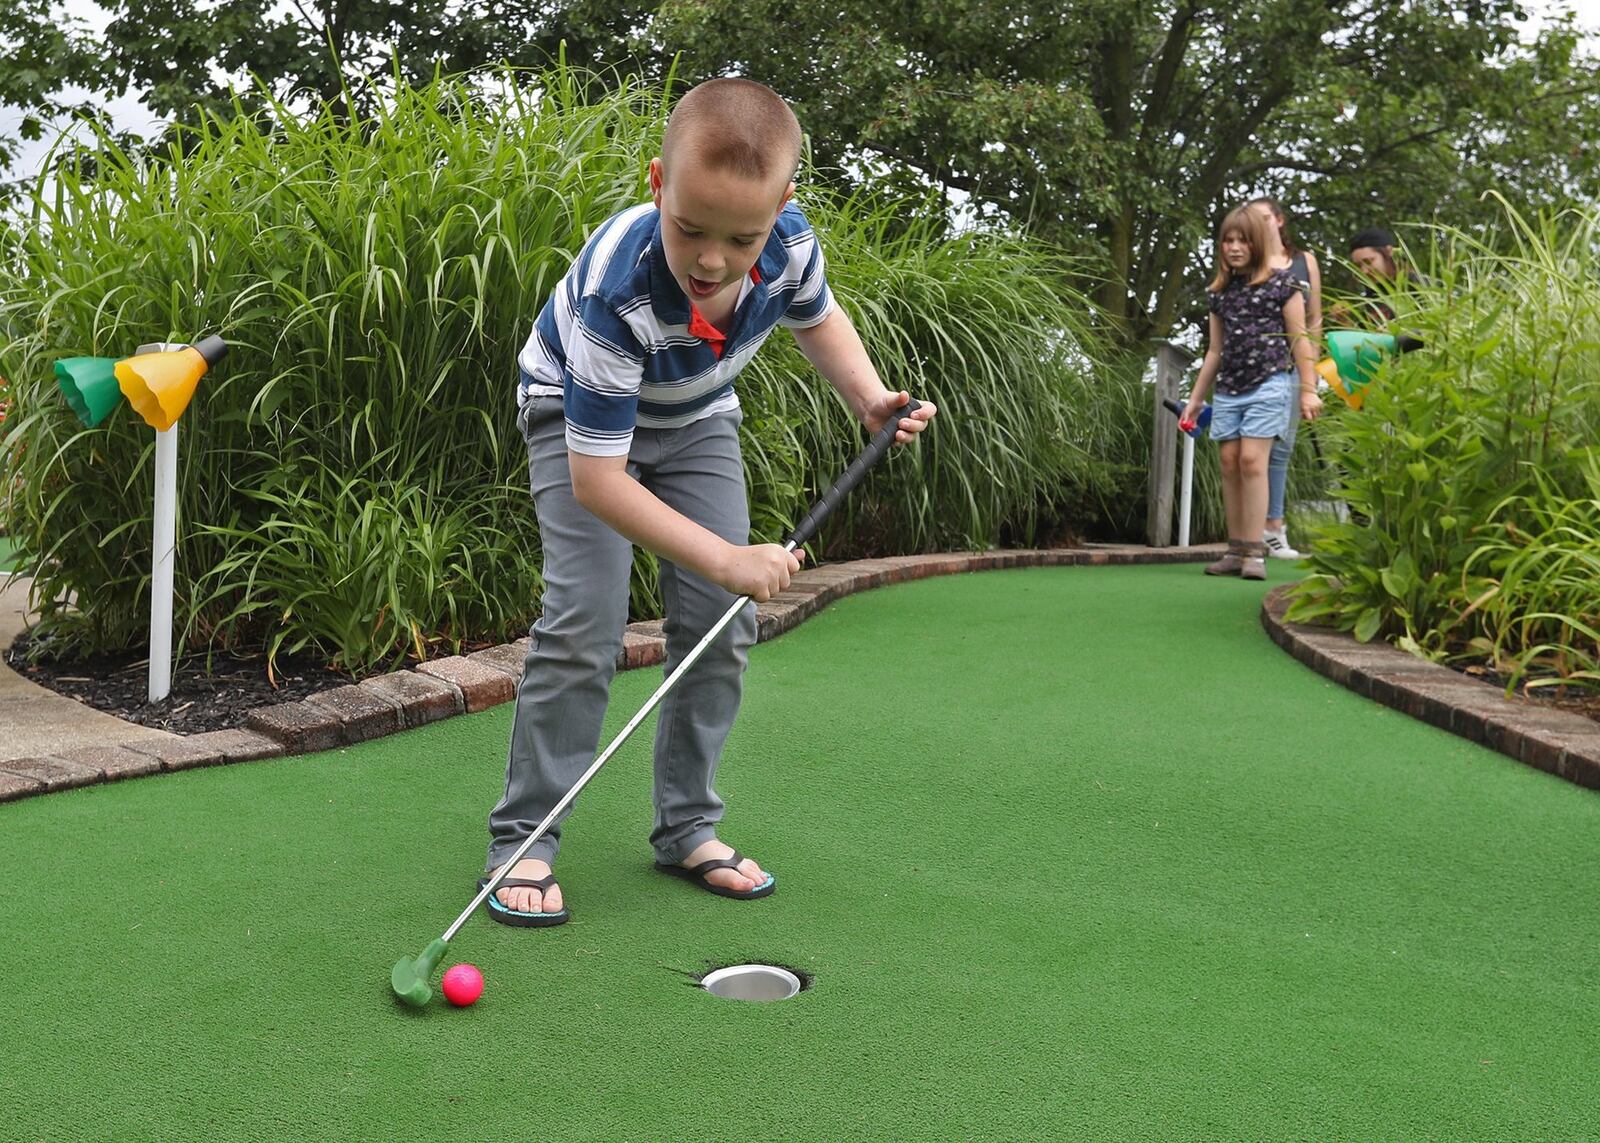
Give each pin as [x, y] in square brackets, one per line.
[1257, 353]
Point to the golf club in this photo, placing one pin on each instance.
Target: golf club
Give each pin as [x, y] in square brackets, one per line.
[411, 975]
[1193, 428]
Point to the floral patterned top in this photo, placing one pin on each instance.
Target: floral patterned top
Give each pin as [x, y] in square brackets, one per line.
[1255, 344]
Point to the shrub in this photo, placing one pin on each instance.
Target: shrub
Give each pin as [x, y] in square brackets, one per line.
[1470, 469]
[352, 479]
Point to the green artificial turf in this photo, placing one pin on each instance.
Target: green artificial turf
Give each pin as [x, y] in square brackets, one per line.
[1072, 852]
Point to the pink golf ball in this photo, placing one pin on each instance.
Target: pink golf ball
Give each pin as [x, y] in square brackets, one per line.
[462, 985]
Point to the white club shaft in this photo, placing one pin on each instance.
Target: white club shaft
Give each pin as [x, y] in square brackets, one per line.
[671, 681]
[166, 551]
[1186, 494]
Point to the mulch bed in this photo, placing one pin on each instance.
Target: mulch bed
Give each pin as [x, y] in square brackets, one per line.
[1575, 700]
[199, 702]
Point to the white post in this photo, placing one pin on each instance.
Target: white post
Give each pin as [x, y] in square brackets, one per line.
[165, 552]
[1186, 491]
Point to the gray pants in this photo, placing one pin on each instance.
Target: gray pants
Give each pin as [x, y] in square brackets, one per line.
[566, 679]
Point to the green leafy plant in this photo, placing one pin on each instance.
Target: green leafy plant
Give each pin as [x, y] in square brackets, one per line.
[352, 479]
[1471, 455]
[1537, 617]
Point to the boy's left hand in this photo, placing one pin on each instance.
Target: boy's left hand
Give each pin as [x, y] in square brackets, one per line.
[877, 415]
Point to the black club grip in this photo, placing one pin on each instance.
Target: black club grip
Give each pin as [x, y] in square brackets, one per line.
[850, 477]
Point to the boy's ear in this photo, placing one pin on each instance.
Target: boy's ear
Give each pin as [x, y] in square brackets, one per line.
[788, 193]
[656, 179]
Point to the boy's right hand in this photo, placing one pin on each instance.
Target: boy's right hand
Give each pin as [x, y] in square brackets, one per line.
[760, 571]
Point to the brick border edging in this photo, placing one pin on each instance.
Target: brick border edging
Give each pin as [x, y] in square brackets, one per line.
[1555, 741]
[466, 684]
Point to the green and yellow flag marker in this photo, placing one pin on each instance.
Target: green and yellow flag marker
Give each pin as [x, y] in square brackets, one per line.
[1354, 356]
[159, 381]
[90, 386]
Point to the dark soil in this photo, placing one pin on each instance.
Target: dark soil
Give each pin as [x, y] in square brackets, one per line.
[118, 684]
[1576, 700]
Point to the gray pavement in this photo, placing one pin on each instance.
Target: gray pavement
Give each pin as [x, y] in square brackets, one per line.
[35, 722]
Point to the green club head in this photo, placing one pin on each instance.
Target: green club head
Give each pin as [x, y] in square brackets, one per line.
[411, 975]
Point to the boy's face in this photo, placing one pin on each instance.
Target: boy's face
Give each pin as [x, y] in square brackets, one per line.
[713, 223]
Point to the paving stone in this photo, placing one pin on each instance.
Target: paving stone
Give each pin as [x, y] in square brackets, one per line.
[178, 753]
[1580, 761]
[507, 657]
[925, 566]
[301, 727]
[825, 584]
[1437, 703]
[113, 761]
[238, 744]
[640, 650]
[1395, 686]
[649, 628]
[424, 698]
[1554, 741]
[481, 687]
[874, 573]
[784, 612]
[363, 714]
[822, 576]
[14, 786]
[54, 773]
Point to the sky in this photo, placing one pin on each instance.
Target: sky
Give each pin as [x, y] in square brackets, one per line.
[128, 114]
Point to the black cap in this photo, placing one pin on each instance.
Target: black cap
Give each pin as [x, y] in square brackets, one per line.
[1374, 236]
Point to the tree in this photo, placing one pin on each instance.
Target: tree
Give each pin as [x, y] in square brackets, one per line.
[41, 53]
[1122, 128]
[173, 49]
[1116, 129]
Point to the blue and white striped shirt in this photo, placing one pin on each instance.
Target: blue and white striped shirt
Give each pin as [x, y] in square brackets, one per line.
[614, 337]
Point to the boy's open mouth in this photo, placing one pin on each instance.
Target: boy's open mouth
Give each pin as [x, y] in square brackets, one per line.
[702, 289]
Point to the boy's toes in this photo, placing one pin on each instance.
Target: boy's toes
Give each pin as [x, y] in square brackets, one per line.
[746, 877]
[525, 899]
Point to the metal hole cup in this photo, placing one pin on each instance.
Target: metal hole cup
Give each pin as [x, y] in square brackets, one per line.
[752, 982]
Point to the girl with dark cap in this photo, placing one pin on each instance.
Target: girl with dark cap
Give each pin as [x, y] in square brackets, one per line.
[1372, 251]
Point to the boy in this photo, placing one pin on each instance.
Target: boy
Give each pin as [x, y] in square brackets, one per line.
[626, 401]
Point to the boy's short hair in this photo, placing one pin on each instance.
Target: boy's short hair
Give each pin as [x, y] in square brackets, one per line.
[735, 125]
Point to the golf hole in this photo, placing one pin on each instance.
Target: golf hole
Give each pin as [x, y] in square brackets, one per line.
[751, 982]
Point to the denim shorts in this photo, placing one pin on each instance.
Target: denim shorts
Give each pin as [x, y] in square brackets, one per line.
[1262, 412]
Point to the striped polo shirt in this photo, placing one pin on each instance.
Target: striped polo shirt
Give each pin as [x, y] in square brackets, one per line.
[615, 338]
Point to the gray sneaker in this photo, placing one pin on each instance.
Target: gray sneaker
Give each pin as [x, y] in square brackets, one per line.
[1253, 561]
[1231, 563]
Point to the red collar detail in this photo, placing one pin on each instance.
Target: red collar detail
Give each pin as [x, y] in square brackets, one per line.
[706, 332]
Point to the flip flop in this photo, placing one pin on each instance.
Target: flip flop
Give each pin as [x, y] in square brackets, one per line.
[697, 876]
[499, 912]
